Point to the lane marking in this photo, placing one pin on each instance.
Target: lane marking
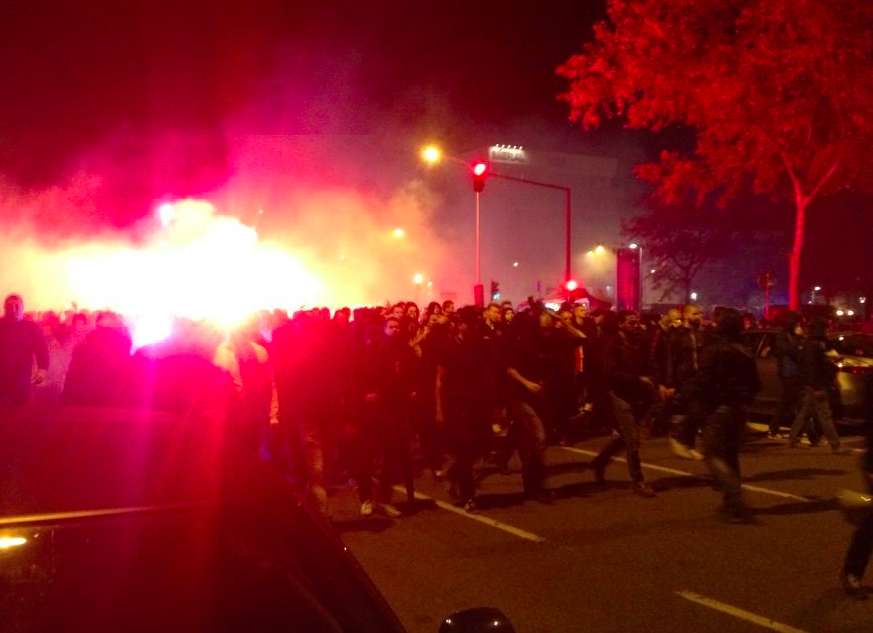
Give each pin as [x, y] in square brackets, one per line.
[499, 525]
[683, 473]
[741, 614]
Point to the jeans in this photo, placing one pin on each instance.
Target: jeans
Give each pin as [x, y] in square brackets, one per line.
[531, 434]
[815, 403]
[722, 438]
[625, 423]
[788, 401]
[689, 424]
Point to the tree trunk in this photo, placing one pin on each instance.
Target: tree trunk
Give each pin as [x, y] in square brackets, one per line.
[796, 251]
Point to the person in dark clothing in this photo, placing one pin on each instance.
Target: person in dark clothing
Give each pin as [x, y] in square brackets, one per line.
[462, 405]
[526, 370]
[391, 393]
[562, 346]
[816, 375]
[659, 369]
[861, 543]
[726, 383]
[626, 392]
[685, 348]
[101, 365]
[21, 344]
[786, 349]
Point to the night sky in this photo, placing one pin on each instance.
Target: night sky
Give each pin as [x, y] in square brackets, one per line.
[75, 75]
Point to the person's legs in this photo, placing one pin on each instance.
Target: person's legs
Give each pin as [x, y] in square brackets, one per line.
[788, 403]
[805, 409]
[630, 432]
[532, 445]
[825, 419]
[860, 549]
[722, 437]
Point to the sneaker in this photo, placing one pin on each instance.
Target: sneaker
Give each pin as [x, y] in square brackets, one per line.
[643, 489]
[851, 584]
[680, 450]
[367, 509]
[774, 435]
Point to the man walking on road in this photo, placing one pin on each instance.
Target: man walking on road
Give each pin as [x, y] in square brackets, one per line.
[786, 348]
[725, 384]
[686, 345]
[629, 397]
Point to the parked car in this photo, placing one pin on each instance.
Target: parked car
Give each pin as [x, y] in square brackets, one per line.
[138, 521]
[852, 356]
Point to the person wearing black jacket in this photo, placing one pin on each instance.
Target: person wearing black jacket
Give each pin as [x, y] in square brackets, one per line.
[786, 349]
[816, 375]
[21, 342]
[686, 346]
[629, 394]
[726, 382]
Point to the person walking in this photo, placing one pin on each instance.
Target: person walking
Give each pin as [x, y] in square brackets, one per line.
[786, 349]
[686, 346]
[629, 396]
[726, 383]
[816, 377]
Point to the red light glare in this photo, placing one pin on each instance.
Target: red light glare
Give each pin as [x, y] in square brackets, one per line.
[571, 285]
[480, 168]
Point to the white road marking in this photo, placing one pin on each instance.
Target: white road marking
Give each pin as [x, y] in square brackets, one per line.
[736, 612]
[682, 473]
[505, 527]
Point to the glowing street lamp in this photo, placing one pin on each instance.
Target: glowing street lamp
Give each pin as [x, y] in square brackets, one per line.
[633, 246]
[418, 279]
[431, 154]
[398, 233]
[599, 249]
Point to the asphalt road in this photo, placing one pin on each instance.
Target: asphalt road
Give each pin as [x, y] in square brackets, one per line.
[605, 560]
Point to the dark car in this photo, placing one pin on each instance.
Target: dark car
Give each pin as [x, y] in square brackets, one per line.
[851, 355]
[137, 521]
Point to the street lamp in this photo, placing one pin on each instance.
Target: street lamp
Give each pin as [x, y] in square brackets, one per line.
[431, 154]
[418, 279]
[398, 233]
[599, 249]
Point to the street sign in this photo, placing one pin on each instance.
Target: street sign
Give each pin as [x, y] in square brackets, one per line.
[512, 154]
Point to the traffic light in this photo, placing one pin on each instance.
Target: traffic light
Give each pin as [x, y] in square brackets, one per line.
[480, 172]
[570, 285]
[495, 291]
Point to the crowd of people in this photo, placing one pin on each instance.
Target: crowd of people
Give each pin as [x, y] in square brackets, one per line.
[376, 394]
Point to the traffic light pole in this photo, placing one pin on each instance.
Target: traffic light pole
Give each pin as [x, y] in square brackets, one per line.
[478, 289]
[568, 216]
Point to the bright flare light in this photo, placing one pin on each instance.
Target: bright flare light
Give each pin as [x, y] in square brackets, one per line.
[201, 266]
[479, 168]
[599, 249]
[8, 542]
[571, 285]
[398, 233]
[418, 279]
[633, 246]
[431, 154]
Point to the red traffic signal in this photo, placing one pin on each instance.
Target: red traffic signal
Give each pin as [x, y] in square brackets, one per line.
[480, 172]
[571, 285]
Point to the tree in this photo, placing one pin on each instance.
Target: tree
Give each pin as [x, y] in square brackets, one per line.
[778, 92]
[679, 243]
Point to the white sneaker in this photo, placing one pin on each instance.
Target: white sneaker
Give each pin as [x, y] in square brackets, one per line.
[367, 509]
[680, 450]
